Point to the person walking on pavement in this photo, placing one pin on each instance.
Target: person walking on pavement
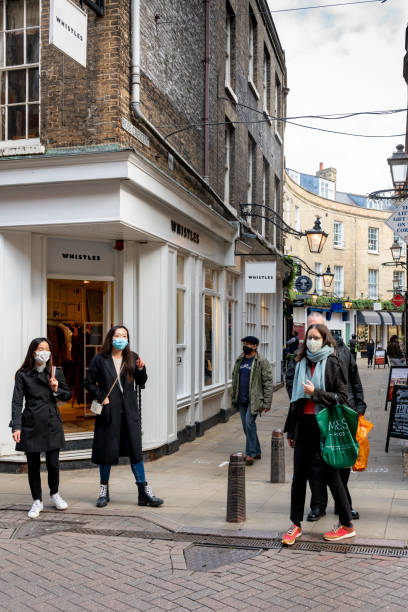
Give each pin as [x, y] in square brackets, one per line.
[318, 382]
[252, 391]
[353, 345]
[355, 399]
[118, 430]
[38, 428]
[396, 356]
[370, 352]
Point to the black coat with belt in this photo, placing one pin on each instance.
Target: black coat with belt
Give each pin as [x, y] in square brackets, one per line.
[335, 393]
[40, 422]
[118, 428]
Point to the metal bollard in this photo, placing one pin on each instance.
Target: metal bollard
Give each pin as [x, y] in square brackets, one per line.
[277, 456]
[236, 505]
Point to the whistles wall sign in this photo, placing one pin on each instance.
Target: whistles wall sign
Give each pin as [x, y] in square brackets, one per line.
[68, 29]
[260, 277]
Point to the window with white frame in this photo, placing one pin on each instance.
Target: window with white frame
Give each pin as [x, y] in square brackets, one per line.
[398, 280]
[229, 46]
[297, 218]
[228, 162]
[373, 239]
[210, 307]
[339, 281]
[266, 81]
[251, 314]
[19, 70]
[231, 323]
[252, 45]
[251, 170]
[181, 326]
[278, 104]
[318, 268]
[373, 284]
[265, 348]
[338, 234]
[288, 210]
[265, 194]
[277, 207]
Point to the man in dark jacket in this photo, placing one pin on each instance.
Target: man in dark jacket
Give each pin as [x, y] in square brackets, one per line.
[353, 345]
[318, 502]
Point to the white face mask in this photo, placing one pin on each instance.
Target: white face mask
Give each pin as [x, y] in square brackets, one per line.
[42, 356]
[314, 345]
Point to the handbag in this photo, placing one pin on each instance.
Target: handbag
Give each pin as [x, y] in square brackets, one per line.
[338, 428]
[96, 407]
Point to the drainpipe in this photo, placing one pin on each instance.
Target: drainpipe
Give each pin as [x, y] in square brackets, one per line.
[135, 104]
[207, 91]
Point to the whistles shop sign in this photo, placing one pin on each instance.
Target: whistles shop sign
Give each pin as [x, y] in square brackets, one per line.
[260, 277]
[79, 258]
[68, 29]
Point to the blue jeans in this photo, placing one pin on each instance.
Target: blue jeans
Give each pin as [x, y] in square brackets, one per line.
[252, 448]
[137, 469]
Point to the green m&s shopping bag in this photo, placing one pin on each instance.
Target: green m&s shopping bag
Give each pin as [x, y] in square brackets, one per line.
[338, 428]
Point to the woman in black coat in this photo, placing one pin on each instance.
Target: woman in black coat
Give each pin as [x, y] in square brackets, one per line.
[38, 428]
[118, 427]
[319, 382]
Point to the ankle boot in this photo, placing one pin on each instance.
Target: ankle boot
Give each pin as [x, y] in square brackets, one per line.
[146, 497]
[103, 498]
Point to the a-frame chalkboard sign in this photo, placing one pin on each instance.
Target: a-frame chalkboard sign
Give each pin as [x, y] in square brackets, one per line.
[398, 376]
[398, 422]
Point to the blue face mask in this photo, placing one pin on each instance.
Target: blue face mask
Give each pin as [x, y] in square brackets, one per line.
[120, 343]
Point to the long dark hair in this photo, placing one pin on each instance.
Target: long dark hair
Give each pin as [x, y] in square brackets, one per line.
[325, 334]
[29, 361]
[127, 356]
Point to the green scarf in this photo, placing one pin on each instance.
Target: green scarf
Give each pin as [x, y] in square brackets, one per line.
[303, 373]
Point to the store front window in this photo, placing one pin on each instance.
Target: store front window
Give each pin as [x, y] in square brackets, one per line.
[231, 323]
[211, 304]
[79, 314]
[181, 327]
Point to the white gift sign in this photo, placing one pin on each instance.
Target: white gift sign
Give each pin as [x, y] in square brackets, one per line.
[68, 29]
[260, 277]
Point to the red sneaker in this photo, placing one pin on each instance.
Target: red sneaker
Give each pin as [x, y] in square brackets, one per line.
[339, 533]
[290, 536]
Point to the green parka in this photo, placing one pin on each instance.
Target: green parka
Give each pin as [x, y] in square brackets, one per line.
[260, 383]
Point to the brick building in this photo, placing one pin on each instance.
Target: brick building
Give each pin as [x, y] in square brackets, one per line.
[121, 186]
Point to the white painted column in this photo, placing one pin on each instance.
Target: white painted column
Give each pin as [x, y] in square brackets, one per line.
[157, 342]
[129, 291]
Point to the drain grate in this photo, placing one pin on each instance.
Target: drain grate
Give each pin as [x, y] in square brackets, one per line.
[203, 558]
[352, 549]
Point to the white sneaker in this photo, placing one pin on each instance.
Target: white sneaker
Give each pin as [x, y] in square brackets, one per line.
[36, 508]
[58, 502]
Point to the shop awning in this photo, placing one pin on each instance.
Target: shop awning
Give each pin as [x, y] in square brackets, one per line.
[387, 318]
[397, 318]
[368, 317]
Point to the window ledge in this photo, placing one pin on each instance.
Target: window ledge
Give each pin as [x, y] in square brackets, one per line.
[267, 116]
[338, 246]
[21, 147]
[253, 88]
[373, 252]
[216, 389]
[231, 92]
[278, 137]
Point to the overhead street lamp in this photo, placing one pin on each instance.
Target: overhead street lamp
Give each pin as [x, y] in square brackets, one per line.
[348, 303]
[327, 277]
[316, 237]
[398, 163]
[396, 250]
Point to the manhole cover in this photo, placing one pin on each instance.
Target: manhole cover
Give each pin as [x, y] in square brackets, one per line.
[201, 558]
[36, 529]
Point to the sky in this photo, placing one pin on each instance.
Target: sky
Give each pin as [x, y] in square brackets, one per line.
[344, 59]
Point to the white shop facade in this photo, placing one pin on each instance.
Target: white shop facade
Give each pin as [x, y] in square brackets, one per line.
[92, 240]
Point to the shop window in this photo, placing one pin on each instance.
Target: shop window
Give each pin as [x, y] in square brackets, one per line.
[373, 239]
[231, 323]
[251, 314]
[211, 301]
[265, 348]
[19, 69]
[180, 327]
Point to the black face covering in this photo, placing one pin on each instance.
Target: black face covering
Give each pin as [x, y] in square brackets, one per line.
[247, 350]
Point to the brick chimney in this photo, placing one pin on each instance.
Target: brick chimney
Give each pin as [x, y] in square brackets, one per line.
[329, 174]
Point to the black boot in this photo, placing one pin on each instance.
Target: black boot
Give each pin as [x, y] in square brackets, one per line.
[146, 497]
[103, 498]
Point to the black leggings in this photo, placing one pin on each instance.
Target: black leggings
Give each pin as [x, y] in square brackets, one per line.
[307, 453]
[34, 478]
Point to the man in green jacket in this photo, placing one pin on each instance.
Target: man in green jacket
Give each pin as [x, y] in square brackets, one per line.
[252, 390]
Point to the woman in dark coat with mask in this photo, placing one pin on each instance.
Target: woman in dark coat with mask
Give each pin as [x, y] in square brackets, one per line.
[118, 427]
[38, 428]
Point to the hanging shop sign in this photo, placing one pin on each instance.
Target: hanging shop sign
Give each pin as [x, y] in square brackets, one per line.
[260, 277]
[303, 284]
[397, 300]
[398, 221]
[68, 29]
[398, 422]
[377, 306]
[79, 258]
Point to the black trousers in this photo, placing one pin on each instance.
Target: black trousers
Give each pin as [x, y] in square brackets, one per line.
[318, 487]
[306, 453]
[34, 478]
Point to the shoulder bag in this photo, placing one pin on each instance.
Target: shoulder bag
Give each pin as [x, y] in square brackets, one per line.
[96, 407]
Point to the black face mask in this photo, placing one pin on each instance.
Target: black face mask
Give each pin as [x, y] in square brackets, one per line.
[247, 350]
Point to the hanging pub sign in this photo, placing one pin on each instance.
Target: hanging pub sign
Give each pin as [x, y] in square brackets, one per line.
[68, 29]
[397, 376]
[303, 284]
[398, 421]
[260, 277]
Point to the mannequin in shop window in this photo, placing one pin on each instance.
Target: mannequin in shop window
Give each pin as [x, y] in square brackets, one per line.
[38, 427]
[118, 430]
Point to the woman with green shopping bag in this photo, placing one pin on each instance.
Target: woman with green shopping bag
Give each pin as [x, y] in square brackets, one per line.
[319, 383]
